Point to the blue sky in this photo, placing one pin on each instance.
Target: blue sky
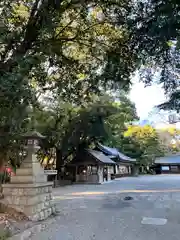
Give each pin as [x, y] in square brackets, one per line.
[145, 98]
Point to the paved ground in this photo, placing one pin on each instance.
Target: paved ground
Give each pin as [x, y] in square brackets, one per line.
[135, 208]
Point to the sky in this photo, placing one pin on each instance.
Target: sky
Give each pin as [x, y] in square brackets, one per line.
[145, 98]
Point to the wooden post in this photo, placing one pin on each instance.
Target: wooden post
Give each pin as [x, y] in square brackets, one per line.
[86, 173]
[76, 173]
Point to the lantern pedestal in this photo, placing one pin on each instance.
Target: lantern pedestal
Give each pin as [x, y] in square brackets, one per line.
[29, 192]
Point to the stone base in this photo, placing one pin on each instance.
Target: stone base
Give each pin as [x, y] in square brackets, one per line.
[34, 200]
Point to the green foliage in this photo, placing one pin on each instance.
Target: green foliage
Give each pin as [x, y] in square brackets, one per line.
[141, 143]
[69, 127]
[70, 38]
[116, 123]
[168, 138]
[131, 147]
[65, 47]
[155, 36]
[76, 50]
[4, 235]
[146, 142]
[173, 102]
[4, 177]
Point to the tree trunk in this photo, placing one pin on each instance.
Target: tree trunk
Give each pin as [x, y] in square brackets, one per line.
[59, 161]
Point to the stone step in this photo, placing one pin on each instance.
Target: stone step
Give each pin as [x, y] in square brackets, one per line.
[23, 179]
[26, 165]
[24, 171]
[40, 178]
[42, 215]
[32, 209]
[27, 171]
[26, 189]
[30, 164]
[36, 212]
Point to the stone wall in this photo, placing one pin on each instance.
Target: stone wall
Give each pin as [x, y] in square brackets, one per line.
[34, 202]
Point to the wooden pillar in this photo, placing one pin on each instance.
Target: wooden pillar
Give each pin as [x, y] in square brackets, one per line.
[76, 168]
[98, 178]
[86, 173]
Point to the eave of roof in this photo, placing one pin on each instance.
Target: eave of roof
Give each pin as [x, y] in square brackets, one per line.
[113, 152]
[173, 159]
[100, 157]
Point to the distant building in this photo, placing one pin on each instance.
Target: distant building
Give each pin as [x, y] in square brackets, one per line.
[124, 164]
[173, 118]
[168, 164]
[100, 164]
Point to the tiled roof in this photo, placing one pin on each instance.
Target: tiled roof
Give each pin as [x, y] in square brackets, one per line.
[114, 152]
[100, 156]
[173, 159]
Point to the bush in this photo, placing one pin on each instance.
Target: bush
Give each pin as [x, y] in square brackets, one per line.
[4, 234]
[4, 177]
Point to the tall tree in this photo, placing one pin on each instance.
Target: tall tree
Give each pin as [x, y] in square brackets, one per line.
[169, 138]
[116, 124]
[146, 143]
[69, 127]
[66, 47]
[154, 28]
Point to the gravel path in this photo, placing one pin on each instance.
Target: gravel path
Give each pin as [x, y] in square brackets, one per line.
[150, 212]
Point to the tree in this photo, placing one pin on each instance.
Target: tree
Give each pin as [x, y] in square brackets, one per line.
[64, 47]
[70, 127]
[68, 38]
[116, 124]
[155, 35]
[173, 102]
[146, 143]
[169, 138]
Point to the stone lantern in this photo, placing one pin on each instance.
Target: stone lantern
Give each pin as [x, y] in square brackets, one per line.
[29, 192]
[32, 139]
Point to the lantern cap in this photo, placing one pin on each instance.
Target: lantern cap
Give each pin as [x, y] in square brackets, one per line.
[33, 135]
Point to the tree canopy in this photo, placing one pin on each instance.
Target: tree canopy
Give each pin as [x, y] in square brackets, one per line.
[66, 41]
[155, 33]
[169, 138]
[75, 48]
[69, 127]
[63, 48]
[73, 51]
[146, 143]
